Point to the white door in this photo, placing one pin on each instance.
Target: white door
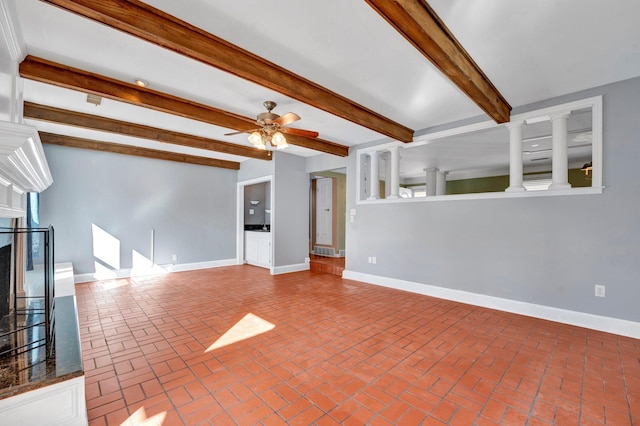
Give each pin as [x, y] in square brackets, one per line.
[324, 215]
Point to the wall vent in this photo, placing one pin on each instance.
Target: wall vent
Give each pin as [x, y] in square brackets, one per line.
[324, 251]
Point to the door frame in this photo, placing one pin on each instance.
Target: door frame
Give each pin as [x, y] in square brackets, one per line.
[240, 217]
[334, 218]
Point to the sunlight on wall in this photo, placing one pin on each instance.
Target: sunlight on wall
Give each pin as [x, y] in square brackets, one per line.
[106, 247]
[249, 326]
[140, 418]
[143, 265]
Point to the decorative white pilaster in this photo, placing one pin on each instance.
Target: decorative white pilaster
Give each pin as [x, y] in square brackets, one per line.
[394, 178]
[431, 182]
[560, 152]
[374, 180]
[441, 183]
[515, 156]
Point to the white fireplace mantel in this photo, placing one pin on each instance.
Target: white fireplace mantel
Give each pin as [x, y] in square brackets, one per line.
[23, 167]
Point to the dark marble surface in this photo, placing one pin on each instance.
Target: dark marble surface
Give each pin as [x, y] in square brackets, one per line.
[32, 370]
[258, 228]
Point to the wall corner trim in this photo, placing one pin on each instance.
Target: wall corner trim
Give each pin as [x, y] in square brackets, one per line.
[10, 31]
[579, 319]
[277, 270]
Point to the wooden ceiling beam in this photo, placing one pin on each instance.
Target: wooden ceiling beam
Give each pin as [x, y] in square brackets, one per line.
[49, 72]
[116, 148]
[143, 21]
[94, 122]
[424, 29]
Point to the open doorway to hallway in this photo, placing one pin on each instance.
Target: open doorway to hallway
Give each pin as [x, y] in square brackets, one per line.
[327, 221]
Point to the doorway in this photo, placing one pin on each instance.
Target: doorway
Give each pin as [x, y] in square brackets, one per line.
[254, 218]
[328, 213]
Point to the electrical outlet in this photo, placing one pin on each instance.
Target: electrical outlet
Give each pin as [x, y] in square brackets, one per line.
[369, 259]
[174, 257]
[373, 260]
[600, 290]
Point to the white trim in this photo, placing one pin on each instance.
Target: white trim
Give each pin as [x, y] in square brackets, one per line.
[199, 265]
[580, 319]
[22, 158]
[490, 195]
[277, 270]
[9, 30]
[154, 270]
[60, 404]
[11, 212]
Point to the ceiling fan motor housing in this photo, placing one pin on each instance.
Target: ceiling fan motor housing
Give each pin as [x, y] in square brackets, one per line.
[267, 118]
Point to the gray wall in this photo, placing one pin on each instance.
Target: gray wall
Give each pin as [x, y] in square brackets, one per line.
[290, 225]
[191, 208]
[543, 250]
[253, 169]
[258, 192]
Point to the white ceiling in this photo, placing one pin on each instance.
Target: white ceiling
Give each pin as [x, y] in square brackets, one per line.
[530, 49]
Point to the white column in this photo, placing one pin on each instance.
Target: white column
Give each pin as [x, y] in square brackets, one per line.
[559, 154]
[432, 177]
[515, 156]
[394, 171]
[374, 180]
[441, 185]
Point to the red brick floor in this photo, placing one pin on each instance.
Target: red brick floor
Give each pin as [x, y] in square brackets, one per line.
[329, 351]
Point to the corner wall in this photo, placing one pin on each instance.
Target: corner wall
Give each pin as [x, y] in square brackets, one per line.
[192, 210]
[547, 251]
[290, 224]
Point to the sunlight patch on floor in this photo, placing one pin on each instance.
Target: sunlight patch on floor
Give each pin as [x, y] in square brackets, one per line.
[140, 418]
[111, 284]
[249, 326]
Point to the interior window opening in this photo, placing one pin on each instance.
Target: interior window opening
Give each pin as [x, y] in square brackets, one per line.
[556, 151]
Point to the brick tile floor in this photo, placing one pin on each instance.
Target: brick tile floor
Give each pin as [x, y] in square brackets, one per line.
[235, 345]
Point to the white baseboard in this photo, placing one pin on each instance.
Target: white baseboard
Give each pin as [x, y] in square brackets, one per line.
[580, 319]
[277, 270]
[152, 270]
[200, 265]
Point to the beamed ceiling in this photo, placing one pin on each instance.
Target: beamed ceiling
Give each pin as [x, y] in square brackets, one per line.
[356, 71]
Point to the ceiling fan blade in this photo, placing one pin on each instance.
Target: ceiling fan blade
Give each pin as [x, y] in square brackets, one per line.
[300, 132]
[286, 119]
[242, 131]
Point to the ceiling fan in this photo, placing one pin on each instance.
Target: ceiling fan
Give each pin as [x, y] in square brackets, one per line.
[272, 127]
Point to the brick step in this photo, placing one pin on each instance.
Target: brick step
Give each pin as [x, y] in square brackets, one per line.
[328, 265]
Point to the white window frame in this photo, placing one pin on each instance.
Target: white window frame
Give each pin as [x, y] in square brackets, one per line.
[530, 117]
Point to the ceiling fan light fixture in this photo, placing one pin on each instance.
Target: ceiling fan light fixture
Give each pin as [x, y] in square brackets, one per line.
[256, 139]
[278, 139]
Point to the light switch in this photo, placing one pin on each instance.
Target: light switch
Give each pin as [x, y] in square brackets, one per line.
[251, 211]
